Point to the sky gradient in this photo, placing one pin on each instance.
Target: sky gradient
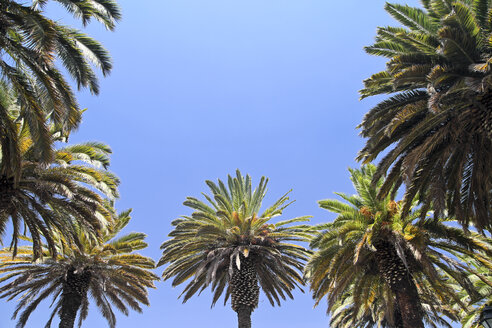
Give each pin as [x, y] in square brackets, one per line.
[203, 87]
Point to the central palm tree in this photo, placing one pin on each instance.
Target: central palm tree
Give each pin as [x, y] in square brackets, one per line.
[107, 269]
[371, 251]
[229, 246]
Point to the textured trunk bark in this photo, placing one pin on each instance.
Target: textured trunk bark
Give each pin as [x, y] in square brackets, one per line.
[244, 317]
[244, 285]
[398, 319]
[245, 291]
[409, 302]
[401, 283]
[70, 306]
[74, 289]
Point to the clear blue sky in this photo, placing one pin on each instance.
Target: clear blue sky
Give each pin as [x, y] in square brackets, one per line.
[202, 87]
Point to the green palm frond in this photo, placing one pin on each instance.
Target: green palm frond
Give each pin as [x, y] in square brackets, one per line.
[413, 18]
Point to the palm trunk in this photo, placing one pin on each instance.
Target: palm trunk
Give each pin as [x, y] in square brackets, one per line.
[244, 317]
[70, 307]
[397, 317]
[245, 291]
[74, 290]
[401, 283]
[409, 303]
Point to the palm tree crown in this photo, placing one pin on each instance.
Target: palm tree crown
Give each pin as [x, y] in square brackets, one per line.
[387, 263]
[107, 269]
[438, 123]
[50, 199]
[228, 245]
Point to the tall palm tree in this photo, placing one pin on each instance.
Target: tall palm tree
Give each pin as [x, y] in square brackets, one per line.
[73, 189]
[107, 269]
[371, 250]
[30, 43]
[436, 127]
[227, 245]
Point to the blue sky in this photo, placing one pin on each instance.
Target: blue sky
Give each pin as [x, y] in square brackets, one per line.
[203, 87]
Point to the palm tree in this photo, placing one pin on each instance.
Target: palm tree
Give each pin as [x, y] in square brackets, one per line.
[30, 43]
[371, 251]
[436, 128]
[73, 189]
[227, 245]
[107, 269]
